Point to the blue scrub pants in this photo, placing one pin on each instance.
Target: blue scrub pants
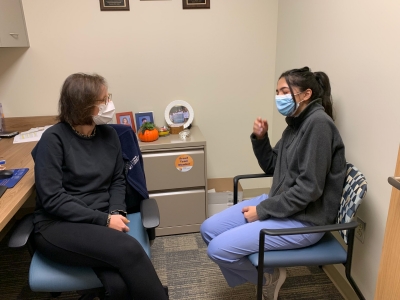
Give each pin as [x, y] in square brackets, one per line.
[230, 239]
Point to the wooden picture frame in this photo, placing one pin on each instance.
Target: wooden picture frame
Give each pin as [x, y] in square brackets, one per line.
[142, 117]
[126, 118]
[189, 4]
[107, 5]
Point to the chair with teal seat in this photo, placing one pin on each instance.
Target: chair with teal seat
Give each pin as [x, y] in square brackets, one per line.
[325, 252]
[46, 275]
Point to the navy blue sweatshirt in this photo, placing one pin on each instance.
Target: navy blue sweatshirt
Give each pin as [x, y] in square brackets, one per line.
[78, 179]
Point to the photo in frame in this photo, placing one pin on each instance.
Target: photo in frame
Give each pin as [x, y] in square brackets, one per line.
[179, 112]
[142, 117]
[114, 5]
[126, 118]
[188, 4]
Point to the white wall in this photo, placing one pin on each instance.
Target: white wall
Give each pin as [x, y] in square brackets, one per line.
[221, 61]
[357, 43]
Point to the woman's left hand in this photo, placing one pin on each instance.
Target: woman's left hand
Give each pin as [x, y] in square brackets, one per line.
[118, 222]
[250, 213]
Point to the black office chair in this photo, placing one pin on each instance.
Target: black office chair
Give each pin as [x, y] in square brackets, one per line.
[325, 252]
[46, 275]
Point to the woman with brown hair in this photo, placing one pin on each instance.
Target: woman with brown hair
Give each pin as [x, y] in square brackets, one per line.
[80, 216]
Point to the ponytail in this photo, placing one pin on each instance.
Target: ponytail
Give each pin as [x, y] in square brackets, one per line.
[323, 81]
[318, 82]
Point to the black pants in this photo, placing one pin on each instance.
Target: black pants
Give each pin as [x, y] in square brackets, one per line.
[117, 258]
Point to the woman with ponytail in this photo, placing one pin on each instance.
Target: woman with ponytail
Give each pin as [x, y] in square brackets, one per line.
[308, 166]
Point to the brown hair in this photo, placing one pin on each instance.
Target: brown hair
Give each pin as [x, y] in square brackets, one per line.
[78, 96]
[318, 82]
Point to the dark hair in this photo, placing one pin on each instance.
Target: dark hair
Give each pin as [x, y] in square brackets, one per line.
[78, 96]
[317, 82]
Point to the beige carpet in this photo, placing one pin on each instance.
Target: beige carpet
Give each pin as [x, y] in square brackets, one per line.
[182, 264]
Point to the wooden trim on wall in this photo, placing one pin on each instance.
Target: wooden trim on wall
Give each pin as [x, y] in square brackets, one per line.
[25, 123]
[387, 286]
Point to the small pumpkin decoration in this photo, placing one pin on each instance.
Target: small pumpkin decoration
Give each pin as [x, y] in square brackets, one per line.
[148, 132]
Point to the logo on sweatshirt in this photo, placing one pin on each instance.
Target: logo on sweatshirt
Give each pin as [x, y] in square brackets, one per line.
[133, 162]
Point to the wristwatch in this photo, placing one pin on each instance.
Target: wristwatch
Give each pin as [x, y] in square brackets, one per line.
[118, 212]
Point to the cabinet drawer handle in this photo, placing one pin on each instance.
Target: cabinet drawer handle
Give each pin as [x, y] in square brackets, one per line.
[13, 34]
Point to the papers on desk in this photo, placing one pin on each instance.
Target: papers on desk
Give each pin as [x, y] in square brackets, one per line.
[32, 135]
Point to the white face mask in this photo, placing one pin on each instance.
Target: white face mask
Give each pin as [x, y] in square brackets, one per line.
[106, 113]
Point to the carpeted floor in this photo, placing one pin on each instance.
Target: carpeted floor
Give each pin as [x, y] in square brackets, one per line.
[182, 264]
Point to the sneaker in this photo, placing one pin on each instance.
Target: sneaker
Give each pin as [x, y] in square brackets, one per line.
[273, 283]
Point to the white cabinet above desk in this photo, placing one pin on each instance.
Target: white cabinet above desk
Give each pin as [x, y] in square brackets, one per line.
[13, 31]
[176, 177]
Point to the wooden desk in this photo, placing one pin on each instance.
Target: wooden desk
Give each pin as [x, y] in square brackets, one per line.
[19, 156]
[16, 156]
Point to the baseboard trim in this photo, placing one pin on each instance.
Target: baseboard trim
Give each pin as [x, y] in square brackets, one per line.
[340, 282]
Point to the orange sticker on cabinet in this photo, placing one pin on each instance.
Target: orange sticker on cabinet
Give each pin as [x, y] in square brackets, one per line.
[184, 163]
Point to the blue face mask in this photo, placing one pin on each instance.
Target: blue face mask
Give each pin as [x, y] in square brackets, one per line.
[286, 105]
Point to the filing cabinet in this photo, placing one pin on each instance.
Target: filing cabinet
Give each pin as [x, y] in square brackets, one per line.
[176, 177]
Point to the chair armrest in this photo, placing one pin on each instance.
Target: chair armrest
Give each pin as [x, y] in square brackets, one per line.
[150, 213]
[311, 229]
[394, 182]
[21, 233]
[246, 176]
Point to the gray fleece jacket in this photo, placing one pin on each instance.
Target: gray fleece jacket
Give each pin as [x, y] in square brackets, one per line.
[308, 165]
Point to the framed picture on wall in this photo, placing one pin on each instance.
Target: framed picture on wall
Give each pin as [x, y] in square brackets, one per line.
[187, 4]
[142, 117]
[126, 118]
[114, 4]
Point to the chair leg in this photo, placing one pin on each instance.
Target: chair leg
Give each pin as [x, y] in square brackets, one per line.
[355, 288]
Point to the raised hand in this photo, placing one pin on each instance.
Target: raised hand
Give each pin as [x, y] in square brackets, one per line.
[260, 128]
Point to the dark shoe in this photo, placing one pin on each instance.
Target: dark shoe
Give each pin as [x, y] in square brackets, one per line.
[91, 296]
[166, 290]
